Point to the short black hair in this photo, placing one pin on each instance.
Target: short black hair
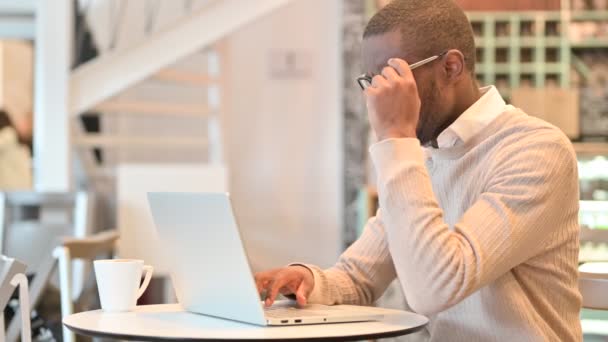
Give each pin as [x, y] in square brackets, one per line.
[433, 26]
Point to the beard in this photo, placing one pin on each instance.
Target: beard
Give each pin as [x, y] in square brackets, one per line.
[430, 121]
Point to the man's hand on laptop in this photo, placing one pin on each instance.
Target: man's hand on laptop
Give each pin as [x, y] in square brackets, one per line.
[292, 280]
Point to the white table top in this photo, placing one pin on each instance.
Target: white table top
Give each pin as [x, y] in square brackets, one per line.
[593, 284]
[171, 322]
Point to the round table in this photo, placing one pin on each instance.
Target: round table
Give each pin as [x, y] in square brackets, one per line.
[171, 322]
[593, 284]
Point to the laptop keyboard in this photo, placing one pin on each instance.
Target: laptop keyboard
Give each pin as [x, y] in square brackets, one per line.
[290, 312]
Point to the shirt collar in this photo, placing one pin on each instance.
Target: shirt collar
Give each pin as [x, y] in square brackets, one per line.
[489, 106]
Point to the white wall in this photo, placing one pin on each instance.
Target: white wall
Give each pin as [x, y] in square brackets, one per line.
[284, 135]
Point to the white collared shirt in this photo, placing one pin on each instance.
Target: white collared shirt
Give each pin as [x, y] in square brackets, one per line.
[489, 106]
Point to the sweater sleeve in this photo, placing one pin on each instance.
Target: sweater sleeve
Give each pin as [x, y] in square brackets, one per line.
[362, 273]
[533, 188]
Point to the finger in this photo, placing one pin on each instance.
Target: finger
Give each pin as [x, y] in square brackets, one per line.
[369, 91]
[258, 282]
[390, 74]
[379, 81]
[262, 286]
[261, 280]
[303, 292]
[273, 290]
[401, 67]
[290, 288]
[302, 295]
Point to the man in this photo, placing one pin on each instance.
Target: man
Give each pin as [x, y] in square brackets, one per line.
[478, 213]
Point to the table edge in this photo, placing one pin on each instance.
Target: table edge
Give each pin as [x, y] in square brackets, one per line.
[95, 333]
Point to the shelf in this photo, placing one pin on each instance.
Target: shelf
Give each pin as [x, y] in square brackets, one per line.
[589, 148]
[543, 16]
[481, 16]
[524, 41]
[595, 15]
[590, 43]
[527, 68]
[501, 68]
[524, 68]
[503, 41]
[552, 41]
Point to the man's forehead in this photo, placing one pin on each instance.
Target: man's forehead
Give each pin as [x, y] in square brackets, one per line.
[377, 50]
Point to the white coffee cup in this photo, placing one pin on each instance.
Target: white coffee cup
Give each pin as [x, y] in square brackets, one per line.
[118, 283]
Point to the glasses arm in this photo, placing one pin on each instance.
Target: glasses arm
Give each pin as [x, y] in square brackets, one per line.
[423, 62]
[427, 60]
[365, 81]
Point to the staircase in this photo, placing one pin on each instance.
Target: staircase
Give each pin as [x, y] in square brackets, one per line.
[156, 84]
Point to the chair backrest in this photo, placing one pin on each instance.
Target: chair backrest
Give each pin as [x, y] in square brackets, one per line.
[32, 223]
[69, 213]
[9, 267]
[138, 239]
[12, 275]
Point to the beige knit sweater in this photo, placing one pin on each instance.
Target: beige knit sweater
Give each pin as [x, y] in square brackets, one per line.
[483, 237]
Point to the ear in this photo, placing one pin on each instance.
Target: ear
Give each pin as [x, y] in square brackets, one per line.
[454, 65]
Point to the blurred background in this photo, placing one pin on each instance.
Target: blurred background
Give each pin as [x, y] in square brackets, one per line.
[104, 100]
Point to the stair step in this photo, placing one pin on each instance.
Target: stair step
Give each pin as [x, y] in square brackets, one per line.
[172, 75]
[100, 140]
[151, 108]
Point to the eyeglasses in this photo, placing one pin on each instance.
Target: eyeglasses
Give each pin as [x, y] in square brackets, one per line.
[365, 81]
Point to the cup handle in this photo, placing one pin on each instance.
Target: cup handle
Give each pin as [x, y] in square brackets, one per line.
[148, 269]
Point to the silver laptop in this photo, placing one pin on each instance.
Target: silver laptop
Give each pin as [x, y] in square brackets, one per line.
[210, 270]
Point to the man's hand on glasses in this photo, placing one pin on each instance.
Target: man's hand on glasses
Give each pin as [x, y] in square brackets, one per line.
[393, 103]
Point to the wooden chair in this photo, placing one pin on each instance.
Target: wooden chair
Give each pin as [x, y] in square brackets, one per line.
[12, 275]
[32, 223]
[87, 249]
[70, 249]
